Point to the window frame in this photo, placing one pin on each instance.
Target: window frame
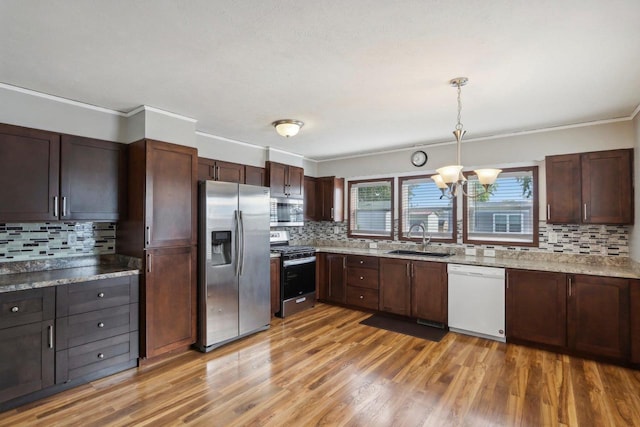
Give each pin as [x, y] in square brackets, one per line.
[389, 236]
[535, 214]
[454, 218]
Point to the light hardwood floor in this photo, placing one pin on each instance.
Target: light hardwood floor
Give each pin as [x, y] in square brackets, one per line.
[321, 367]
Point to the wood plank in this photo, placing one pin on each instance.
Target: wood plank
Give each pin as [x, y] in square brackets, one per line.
[322, 367]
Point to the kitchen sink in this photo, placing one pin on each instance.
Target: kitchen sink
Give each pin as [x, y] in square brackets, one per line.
[419, 253]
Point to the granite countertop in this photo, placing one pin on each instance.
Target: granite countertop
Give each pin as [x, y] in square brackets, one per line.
[543, 264]
[71, 272]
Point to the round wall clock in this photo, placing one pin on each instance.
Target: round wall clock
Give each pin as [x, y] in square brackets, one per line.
[419, 158]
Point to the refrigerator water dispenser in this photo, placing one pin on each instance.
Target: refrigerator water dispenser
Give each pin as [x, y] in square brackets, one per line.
[220, 247]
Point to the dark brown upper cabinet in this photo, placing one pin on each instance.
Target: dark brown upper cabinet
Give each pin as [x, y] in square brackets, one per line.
[285, 180]
[216, 170]
[47, 177]
[254, 175]
[310, 209]
[330, 199]
[590, 188]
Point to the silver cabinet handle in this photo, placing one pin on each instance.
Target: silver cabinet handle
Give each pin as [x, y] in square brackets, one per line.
[100, 325]
[585, 211]
[101, 295]
[344, 262]
[408, 273]
[100, 355]
[64, 206]
[548, 211]
[216, 173]
[55, 206]
[569, 286]
[50, 336]
[15, 309]
[331, 213]
[412, 272]
[148, 263]
[148, 235]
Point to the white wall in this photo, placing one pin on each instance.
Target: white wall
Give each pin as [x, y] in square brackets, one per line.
[634, 243]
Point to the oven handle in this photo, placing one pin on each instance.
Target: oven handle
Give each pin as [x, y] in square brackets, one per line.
[291, 262]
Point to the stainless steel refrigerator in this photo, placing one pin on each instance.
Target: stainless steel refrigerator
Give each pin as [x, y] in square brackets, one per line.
[233, 249]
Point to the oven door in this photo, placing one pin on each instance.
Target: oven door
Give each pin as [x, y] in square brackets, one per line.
[298, 277]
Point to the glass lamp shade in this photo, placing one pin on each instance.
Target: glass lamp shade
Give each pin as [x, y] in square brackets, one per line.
[439, 181]
[487, 176]
[450, 174]
[288, 128]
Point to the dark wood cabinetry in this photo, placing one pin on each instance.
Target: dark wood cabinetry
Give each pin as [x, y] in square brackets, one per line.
[329, 199]
[634, 310]
[429, 291]
[217, 170]
[274, 266]
[585, 314]
[48, 177]
[536, 307]
[590, 188]
[161, 229]
[254, 175]
[285, 180]
[362, 281]
[395, 286]
[310, 206]
[27, 350]
[333, 286]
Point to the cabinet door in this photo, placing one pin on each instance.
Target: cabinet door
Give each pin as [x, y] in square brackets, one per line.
[254, 175]
[330, 199]
[395, 286]
[29, 173]
[295, 182]
[275, 285]
[336, 278]
[229, 172]
[277, 174]
[598, 315]
[92, 179]
[310, 197]
[634, 291]
[170, 195]
[536, 307]
[206, 169]
[169, 300]
[563, 189]
[429, 291]
[26, 359]
[607, 187]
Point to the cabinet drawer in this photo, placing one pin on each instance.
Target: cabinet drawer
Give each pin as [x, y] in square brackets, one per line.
[362, 297]
[362, 277]
[84, 328]
[79, 361]
[96, 295]
[28, 306]
[362, 261]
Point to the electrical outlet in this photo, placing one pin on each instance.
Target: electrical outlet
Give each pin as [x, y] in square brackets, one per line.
[72, 238]
[552, 237]
[490, 252]
[373, 245]
[470, 251]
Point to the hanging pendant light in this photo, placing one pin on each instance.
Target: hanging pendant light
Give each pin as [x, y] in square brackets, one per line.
[450, 179]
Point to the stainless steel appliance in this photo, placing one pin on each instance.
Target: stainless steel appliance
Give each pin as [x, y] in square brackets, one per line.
[297, 274]
[286, 212]
[234, 285]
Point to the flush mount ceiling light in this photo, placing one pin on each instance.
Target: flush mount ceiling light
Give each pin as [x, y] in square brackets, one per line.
[450, 179]
[287, 127]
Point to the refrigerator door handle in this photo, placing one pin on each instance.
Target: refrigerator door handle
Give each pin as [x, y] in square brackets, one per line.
[237, 241]
[241, 227]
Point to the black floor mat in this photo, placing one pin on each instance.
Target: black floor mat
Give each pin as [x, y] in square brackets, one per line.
[405, 327]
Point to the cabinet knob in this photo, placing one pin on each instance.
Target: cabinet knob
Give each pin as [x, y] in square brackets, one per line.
[101, 295]
[15, 309]
[361, 296]
[361, 262]
[100, 355]
[361, 278]
[100, 325]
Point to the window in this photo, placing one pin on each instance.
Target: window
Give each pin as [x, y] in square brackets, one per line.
[420, 203]
[371, 208]
[508, 215]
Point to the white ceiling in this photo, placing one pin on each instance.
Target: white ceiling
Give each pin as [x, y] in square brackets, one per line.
[363, 75]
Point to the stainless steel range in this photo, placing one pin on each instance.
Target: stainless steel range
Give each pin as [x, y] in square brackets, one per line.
[297, 274]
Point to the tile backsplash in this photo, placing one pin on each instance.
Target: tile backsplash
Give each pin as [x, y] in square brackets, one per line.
[29, 241]
[606, 240]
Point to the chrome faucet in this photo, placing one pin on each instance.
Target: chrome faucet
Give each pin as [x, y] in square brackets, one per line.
[425, 240]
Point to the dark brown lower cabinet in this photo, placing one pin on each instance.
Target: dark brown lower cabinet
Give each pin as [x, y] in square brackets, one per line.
[335, 286]
[274, 266]
[170, 300]
[634, 292]
[536, 307]
[395, 286]
[598, 315]
[429, 289]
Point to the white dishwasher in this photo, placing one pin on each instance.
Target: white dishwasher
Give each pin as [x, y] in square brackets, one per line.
[476, 301]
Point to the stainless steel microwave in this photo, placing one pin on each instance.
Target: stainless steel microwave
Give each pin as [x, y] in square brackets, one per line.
[284, 211]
